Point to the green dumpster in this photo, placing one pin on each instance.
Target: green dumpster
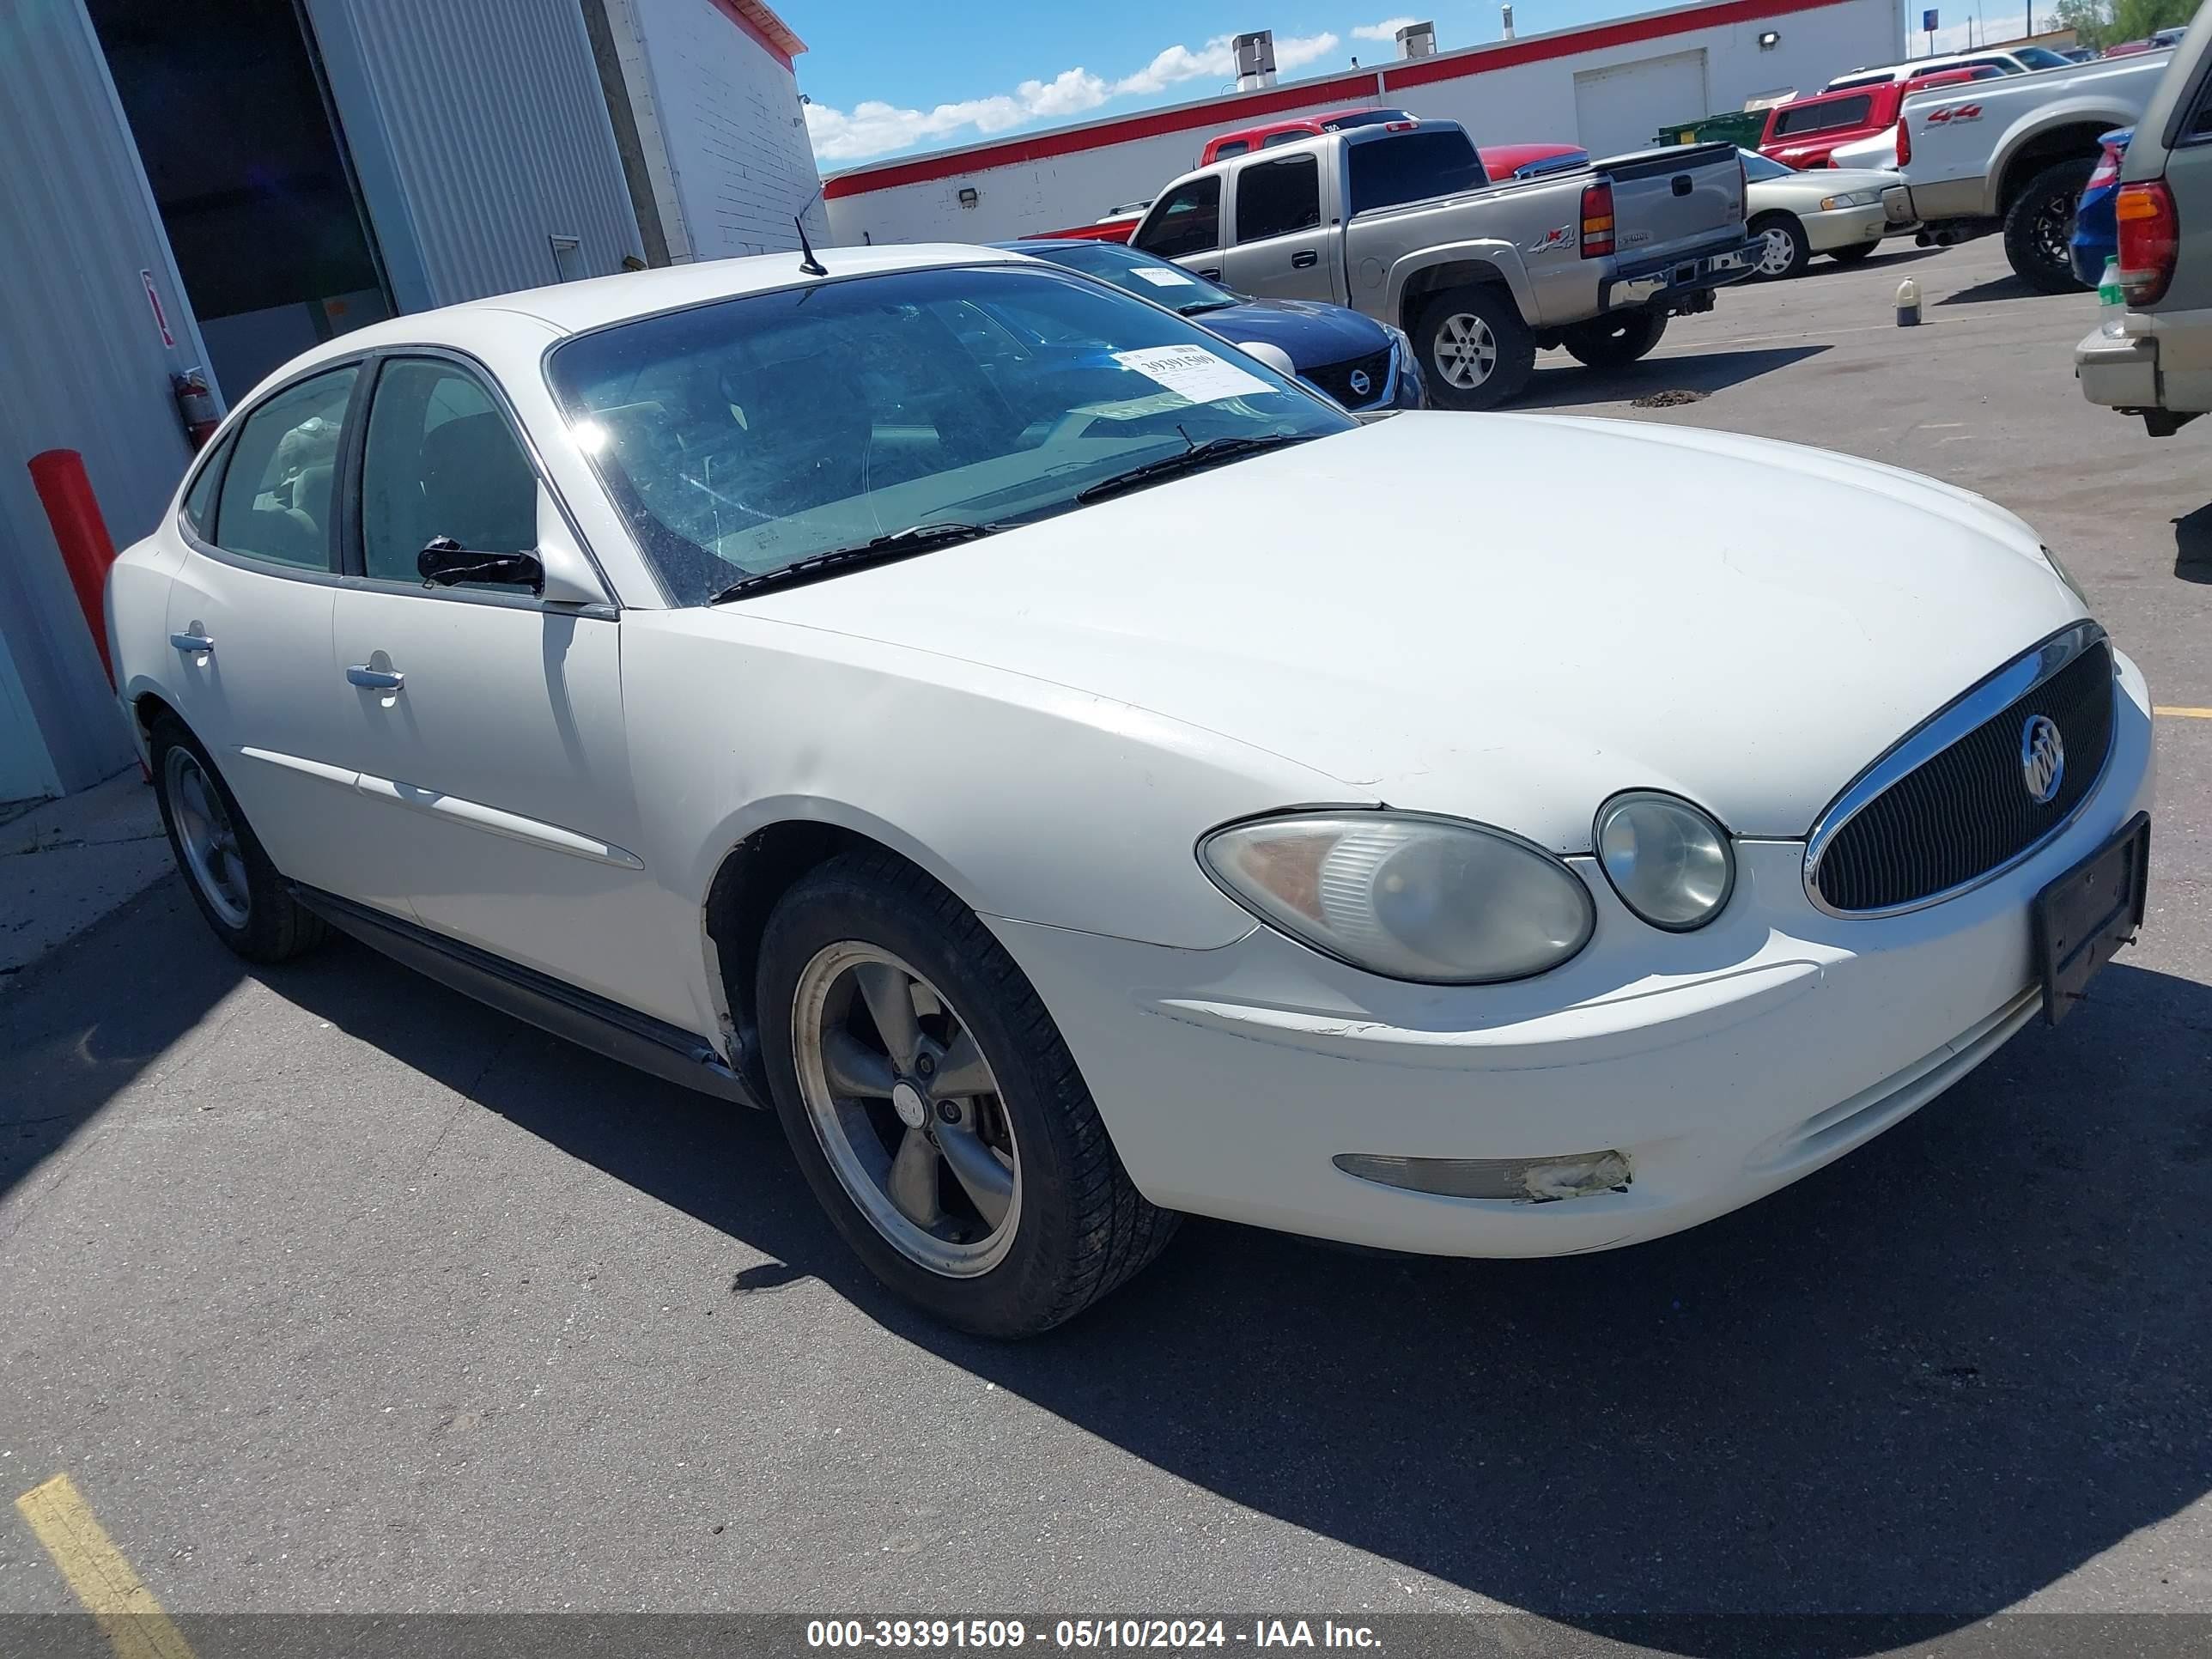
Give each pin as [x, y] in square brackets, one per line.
[1740, 127]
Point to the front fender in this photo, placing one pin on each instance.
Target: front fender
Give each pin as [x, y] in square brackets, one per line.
[1500, 256]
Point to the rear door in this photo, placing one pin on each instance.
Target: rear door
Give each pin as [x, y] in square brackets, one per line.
[249, 618]
[2184, 311]
[1282, 245]
[1669, 201]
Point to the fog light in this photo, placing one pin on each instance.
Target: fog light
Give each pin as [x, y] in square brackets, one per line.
[1521, 1180]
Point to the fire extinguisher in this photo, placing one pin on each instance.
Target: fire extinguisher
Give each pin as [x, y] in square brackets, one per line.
[195, 405]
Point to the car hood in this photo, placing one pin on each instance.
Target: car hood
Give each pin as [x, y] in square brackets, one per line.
[1504, 618]
[1805, 191]
[1311, 333]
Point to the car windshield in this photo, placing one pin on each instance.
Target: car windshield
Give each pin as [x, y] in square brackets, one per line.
[1760, 169]
[1144, 275]
[2040, 57]
[752, 432]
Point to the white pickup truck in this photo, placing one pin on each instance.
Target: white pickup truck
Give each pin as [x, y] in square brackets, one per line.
[2014, 153]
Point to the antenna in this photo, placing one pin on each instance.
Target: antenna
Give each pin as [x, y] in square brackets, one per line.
[807, 262]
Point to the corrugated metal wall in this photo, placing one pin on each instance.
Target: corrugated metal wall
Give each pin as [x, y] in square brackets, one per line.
[478, 132]
[84, 368]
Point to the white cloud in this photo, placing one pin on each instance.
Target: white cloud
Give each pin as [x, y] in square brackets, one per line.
[1386, 30]
[875, 127]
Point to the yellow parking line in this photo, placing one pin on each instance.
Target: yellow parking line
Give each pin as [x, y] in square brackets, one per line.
[126, 1610]
[2184, 713]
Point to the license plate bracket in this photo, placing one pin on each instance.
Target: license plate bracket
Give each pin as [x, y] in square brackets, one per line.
[2082, 918]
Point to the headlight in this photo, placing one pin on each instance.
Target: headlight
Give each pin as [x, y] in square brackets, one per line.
[1670, 863]
[1405, 896]
[1849, 198]
[2066, 576]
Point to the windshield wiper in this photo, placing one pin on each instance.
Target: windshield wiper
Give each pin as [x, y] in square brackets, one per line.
[1198, 457]
[882, 549]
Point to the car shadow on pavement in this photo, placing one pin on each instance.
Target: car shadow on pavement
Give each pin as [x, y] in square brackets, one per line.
[2007, 287]
[1927, 1381]
[2192, 545]
[1562, 383]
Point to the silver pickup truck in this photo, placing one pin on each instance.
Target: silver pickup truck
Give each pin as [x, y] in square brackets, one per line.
[1399, 221]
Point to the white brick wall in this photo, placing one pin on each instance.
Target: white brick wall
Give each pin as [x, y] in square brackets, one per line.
[727, 145]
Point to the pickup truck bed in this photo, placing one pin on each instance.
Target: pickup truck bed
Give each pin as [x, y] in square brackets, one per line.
[1407, 226]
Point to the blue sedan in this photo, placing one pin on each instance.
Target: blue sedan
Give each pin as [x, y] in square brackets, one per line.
[1364, 365]
[2096, 231]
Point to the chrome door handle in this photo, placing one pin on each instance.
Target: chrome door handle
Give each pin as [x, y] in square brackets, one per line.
[1304, 261]
[373, 679]
[1212, 273]
[198, 644]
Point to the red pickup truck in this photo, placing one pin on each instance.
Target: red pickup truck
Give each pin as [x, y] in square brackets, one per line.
[1805, 131]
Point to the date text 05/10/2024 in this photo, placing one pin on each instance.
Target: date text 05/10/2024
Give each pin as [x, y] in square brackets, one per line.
[1163, 1634]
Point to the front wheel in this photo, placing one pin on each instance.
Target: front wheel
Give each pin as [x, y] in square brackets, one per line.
[2038, 223]
[1476, 351]
[1615, 341]
[1782, 251]
[934, 1109]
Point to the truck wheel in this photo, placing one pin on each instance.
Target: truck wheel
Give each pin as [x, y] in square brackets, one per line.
[1476, 352]
[1616, 341]
[2039, 222]
[1784, 252]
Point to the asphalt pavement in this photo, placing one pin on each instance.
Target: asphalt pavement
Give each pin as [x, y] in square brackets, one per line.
[332, 1292]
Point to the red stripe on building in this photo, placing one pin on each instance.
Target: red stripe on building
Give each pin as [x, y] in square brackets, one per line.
[1507, 53]
[1228, 114]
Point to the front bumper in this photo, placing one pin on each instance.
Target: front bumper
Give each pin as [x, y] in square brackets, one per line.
[1723, 1064]
[1845, 227]
[1675, 284]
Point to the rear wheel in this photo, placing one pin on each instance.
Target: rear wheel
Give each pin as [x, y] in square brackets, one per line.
[934, 1109]
[237, 889]
[1476, 352]
[2039, 222]
[1782, 249]
[1852, 254]
[1615, 341]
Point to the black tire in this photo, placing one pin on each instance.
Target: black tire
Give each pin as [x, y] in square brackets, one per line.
[1493, 307]
[1771, 226]
[1853, 254]
[1080, 1228]
[274, 926]
[2039, 222]
[1615, 341]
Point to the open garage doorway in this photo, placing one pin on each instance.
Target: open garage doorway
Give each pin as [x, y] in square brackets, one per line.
[232, 122]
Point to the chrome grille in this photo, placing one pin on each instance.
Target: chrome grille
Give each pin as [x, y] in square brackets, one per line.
[1951, 807]
[1335, 379]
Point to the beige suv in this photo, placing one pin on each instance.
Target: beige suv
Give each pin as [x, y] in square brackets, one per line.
[2159, 365]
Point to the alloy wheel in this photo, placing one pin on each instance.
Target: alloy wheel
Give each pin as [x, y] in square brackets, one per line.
[1777, 251]
[208, 837]
[1466, 350]
[907, 1109]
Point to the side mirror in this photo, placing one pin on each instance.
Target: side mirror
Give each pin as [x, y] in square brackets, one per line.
[444, 561]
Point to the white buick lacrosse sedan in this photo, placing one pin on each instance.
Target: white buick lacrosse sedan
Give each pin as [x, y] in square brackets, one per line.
[1076, 775]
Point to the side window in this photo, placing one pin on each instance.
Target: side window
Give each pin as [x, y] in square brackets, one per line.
[1288, 136]
[199, 499]
[1234, 147]
[441, 460]
[1188, 221]
[1274, 198]
[276, 496]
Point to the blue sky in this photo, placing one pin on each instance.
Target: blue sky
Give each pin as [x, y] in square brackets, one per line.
[900, 79]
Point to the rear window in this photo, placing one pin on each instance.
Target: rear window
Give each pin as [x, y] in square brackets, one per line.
[1274, 198]
[1823, 117]
[1408, 167]
[1874, 80]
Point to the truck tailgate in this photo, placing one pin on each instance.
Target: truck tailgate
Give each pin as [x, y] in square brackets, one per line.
[1674, 199]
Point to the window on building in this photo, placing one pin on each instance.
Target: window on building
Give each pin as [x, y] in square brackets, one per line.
[1275, 199]
[277, 498]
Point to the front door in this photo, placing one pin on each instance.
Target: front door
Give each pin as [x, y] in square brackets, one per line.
[486, 724]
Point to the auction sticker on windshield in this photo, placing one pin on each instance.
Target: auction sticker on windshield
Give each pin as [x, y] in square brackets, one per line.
[1165, 278]
[1192, 372]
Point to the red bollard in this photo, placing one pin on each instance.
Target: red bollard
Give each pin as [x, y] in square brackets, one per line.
[81, 534]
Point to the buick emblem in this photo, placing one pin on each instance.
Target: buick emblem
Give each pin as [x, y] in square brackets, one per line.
[2042, 758]
[1360, 383]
